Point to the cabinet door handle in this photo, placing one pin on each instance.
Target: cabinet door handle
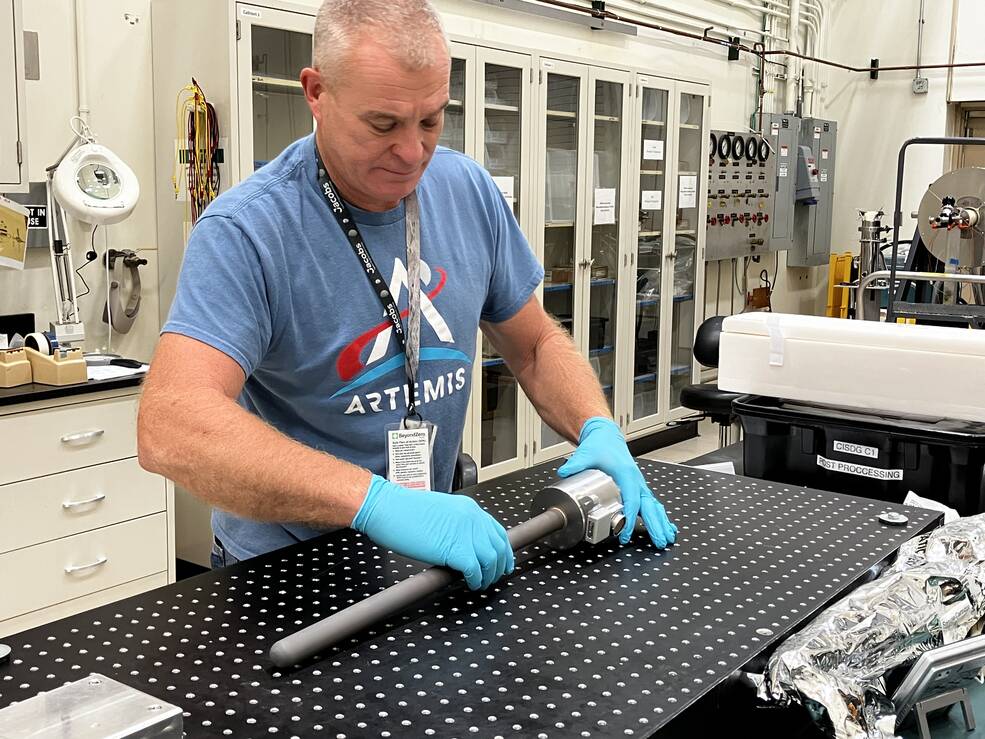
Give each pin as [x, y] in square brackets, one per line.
[82, 437]
[72, 569]
[76, 503]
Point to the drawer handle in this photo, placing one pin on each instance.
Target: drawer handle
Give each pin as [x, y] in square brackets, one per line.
[72, 569]
[76, 503]
[82, 437]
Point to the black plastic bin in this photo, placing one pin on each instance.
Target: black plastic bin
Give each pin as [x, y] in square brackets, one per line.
[873, 456]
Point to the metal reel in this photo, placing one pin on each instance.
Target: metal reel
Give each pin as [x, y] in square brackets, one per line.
[962, 190]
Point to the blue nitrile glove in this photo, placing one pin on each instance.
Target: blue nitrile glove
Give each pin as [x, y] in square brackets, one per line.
[437, 528]
[601, 446]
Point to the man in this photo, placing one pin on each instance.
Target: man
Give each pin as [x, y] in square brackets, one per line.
[283, 364]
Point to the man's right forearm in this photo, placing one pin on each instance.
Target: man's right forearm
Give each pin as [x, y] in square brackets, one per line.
[209, 445]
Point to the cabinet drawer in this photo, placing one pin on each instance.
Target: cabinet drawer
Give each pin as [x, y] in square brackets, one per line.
[51, 507]
[39, 443]
[45, 574]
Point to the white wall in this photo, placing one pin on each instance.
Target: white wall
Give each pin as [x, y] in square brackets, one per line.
[875, 117]
[120, 97]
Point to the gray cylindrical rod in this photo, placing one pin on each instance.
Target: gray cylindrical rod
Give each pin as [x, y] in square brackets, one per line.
[307, 642]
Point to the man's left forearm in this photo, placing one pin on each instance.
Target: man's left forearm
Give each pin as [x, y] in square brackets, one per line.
[561, 383]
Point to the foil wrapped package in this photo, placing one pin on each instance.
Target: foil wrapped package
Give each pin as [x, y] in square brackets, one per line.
[934, 594]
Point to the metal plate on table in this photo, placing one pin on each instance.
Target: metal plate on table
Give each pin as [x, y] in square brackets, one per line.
[603, 641]
[94, 707]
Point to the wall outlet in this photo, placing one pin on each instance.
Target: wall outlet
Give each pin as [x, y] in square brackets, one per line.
[920, 85]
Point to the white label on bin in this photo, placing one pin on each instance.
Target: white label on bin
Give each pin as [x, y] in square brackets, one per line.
[850, 468]
[859, 450]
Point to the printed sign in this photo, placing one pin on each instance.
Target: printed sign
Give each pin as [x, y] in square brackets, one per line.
[506, 187]
[687, 191]
[652, 200]
[653, 150]
[605, 205]
[250, 13]
[37, 217]
[861, 470]
[782, 172]
[859, 450]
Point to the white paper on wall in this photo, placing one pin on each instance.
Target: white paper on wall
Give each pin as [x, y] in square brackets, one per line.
[653, 149]
[651, 200]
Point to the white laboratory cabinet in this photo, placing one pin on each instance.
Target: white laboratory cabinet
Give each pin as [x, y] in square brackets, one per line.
[604, 168]
[13, 118]
[603, 165]
[81, 523]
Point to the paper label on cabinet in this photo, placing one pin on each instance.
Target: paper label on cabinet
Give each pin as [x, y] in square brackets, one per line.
[824, 153]
[784, 151]
[653, 150]
[775, 129]
[817, 132]
[824, 175]
[605, 205]
[547, 64]
[250, 13]
[782, 172]
[652, 200]
[687, 191]
[505, 185]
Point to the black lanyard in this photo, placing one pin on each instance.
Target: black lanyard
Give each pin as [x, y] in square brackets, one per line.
[351, 230]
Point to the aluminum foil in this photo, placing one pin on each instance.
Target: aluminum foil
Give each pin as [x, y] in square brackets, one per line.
[934, 594]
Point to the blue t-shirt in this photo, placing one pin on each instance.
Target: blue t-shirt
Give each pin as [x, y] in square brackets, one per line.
[269, 280]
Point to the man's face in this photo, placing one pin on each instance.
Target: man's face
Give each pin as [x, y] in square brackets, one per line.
[378, 122]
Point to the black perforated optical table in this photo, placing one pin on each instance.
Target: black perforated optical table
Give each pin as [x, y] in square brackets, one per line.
[590, 642]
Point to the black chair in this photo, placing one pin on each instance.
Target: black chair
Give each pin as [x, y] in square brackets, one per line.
[706, 398]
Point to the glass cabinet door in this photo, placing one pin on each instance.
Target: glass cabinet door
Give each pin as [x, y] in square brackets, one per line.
[600, 272]
[503, 82]
[563, 96]
[272, 51]
[453, 133]
[684, 259]
[647, 261]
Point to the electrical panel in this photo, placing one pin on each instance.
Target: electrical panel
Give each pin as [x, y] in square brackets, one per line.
[813, 212]
[783, 133]
[741, 191]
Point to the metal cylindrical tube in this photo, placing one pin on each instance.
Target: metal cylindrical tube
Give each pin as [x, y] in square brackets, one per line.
[304, 644]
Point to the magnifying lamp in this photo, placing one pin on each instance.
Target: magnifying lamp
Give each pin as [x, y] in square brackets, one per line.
[95, 186]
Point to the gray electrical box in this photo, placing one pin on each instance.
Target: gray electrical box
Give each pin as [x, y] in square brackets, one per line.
[783, 133]
[812, 220]
[741, 177]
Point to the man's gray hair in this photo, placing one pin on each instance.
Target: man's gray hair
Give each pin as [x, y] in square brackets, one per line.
[408, 28]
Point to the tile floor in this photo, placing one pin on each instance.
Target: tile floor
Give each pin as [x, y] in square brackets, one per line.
[706, 441]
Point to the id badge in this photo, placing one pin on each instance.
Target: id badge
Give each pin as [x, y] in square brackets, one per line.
[409, 454]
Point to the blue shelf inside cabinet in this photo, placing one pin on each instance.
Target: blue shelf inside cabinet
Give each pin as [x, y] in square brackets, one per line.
[493, 362]
[680, 369]
[639, 379]
[564, 286]
[600, 351]
[653, 301]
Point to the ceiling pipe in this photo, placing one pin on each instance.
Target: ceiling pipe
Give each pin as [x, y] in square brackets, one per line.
[743, 47]
[703, 23]
[793, 69]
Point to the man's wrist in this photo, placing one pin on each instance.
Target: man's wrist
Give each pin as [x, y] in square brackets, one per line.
[593, 423]
[370, 500]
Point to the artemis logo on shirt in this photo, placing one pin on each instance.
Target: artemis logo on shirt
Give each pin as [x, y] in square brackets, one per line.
[351, 367]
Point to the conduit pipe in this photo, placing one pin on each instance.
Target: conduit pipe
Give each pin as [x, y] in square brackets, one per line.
[648, 8]
[793, 68]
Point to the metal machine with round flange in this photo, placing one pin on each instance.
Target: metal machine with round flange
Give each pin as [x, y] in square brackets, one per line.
[951, 218]
[584, 507]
